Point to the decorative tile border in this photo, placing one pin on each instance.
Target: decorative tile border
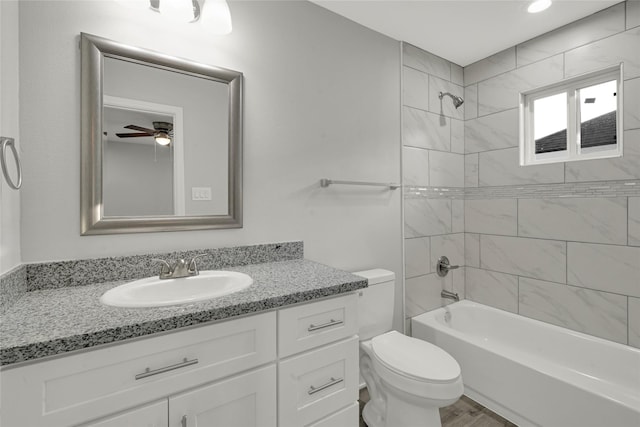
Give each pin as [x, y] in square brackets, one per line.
[13, 285]
[52, 275]
[625, 188]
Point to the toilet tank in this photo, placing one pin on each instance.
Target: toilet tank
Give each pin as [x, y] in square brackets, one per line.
[375, 303]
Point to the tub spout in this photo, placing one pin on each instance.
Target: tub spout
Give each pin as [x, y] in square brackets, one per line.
[450, 295]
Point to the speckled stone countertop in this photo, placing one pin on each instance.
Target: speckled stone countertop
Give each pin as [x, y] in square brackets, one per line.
[54, 321]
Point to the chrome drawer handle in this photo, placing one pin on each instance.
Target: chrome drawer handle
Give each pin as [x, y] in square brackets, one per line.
[332, 382]
[330, 323]
[148, 372]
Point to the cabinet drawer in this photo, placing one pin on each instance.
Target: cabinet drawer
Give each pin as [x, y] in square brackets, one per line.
[347, 417]
[318, 383]
[307, 326]
[96, 383]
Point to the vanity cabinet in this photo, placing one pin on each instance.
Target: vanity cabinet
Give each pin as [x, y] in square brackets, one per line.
[294, 367]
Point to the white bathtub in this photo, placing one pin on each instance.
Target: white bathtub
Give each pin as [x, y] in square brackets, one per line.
[534, 373]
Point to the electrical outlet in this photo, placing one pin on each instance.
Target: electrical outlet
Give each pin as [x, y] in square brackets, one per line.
[200, 193]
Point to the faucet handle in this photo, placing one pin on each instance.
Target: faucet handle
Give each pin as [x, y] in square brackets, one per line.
[164, 273]
[193, 266]
[443, 266]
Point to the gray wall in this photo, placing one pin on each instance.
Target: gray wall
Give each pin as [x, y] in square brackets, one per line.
[9, 127]
[321, 100]
[138, 179]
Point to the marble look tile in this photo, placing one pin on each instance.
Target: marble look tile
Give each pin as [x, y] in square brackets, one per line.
[489, 67]
[446, 169]
[458, 279]
[426, 217]
[618, 168]
[592, 312]
[425, 130]
[604, 267]
[623, 47]
[417, 253]
[471, 170]
[503, 92]
[502, 167]
[471, 102]
[634, 322]
[457, 74]
[449, 245]
[594, 27]
[422, 293]
[491, 288]
[445, 106]
[634, 221]
[596, 220]
[415, 167]
[633, 13]
[415, 91]
[426, 62]
[632, 103]
[491, 216]
[535, 258]
[457, 136]
[472, 250]
[492, 132]
[457, 216]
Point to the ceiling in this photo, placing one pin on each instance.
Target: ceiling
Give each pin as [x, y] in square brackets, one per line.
[462, 31]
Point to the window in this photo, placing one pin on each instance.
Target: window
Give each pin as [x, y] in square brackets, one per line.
[576, 119]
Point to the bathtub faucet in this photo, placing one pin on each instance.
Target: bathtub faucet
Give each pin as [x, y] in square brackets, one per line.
[450, 295]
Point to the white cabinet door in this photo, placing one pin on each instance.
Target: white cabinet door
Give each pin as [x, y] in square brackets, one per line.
[152, 415]
[246, 400]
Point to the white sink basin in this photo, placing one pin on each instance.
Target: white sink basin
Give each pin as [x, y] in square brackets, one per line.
[153, 292]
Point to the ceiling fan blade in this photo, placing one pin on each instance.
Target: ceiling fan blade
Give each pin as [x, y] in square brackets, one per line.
[132, 135]
[140, 128]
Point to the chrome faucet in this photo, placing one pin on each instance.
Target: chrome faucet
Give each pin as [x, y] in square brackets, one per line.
[180, 268]
[443, 266]
[450, 295]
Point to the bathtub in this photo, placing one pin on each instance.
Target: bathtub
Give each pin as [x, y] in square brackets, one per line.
[534, 373]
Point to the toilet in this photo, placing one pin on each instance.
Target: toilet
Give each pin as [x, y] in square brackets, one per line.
[408, 379]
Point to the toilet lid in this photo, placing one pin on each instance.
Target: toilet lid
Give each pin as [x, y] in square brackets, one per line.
[415, 358]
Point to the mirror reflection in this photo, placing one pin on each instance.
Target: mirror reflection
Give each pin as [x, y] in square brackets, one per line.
[161, 141]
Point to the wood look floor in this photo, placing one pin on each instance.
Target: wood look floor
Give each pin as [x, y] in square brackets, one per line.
[464, 413]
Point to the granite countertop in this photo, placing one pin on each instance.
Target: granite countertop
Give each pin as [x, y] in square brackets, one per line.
[54, 321]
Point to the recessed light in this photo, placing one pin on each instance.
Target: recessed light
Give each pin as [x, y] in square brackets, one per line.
[538, 6]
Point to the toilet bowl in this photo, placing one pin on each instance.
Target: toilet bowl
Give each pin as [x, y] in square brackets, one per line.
[408, 379]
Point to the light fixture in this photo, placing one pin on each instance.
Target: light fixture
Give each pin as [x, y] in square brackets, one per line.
[178, 10]
[538, 6]
[162, 138]
[216, 16]
[214, 13]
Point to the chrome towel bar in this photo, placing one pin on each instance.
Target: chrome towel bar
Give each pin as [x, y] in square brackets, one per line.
[324, 182]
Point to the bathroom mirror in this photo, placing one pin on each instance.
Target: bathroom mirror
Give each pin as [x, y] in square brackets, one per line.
[161, 142]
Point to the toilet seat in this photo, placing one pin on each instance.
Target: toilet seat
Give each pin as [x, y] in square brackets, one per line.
[415, 359]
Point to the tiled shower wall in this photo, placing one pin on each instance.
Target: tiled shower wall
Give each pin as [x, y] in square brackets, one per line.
[560, 242]
[433, 159]
[556, 242]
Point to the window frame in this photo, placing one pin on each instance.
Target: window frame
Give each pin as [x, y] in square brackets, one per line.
[571, 87]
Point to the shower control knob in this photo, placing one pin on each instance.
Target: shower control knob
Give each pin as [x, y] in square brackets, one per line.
[443, 266]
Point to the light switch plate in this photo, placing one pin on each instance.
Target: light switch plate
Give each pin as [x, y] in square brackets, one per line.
[200, 193]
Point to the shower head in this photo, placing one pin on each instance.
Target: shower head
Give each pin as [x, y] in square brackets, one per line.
[457, 101]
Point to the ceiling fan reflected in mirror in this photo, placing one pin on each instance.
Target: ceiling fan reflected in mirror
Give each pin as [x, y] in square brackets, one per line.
[162, 132]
